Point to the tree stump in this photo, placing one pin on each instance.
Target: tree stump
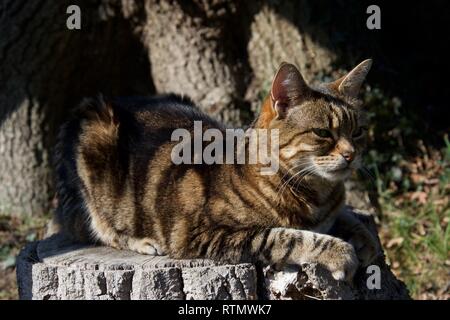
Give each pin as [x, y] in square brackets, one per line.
[55, 268]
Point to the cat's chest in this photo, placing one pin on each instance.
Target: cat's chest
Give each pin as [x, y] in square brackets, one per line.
[323, 215]
[326, 221]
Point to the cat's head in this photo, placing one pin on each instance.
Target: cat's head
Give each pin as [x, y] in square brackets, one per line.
[322, 130]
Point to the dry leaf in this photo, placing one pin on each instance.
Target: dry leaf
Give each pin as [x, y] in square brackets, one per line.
[395, 242]
[421, 229]
[420, 196]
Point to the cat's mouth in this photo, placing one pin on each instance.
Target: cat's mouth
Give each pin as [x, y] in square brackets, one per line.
[340, 170]
[343, 168]
[334, 171]
[339, 173]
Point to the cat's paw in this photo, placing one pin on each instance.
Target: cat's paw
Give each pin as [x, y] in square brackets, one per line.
[366, 246]
[341, 260]
[145, 246]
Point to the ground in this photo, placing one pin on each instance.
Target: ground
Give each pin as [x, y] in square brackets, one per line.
[14, 234]
[415, 227]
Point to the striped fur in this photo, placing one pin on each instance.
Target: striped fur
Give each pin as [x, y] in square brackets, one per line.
[118, 186]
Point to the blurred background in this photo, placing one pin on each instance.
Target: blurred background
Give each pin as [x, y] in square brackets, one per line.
[223, 54]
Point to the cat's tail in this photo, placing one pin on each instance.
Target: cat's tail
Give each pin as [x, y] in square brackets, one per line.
[91, 124]
[98, 114]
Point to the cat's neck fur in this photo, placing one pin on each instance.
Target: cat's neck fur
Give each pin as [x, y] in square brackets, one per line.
[305, 204]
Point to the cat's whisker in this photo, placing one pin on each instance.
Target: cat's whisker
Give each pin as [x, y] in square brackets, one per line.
[283, 188]
[313, 170]
[297, 175]
[280, 191]
[282, 180]
[299, 164]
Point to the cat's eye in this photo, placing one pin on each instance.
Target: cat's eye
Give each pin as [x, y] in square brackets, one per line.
[359, 132]
[323, 133]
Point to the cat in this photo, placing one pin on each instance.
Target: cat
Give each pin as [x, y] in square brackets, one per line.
[117, 186]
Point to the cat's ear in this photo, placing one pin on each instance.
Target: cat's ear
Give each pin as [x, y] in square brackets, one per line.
[288, 88]
[350, 84]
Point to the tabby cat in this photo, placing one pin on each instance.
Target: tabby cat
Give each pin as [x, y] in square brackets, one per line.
[117, 185]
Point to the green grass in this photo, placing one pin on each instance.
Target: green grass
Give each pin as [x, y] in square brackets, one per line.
[419, 252]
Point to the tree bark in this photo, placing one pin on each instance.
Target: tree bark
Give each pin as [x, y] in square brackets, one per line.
[196, 50]
[46, 70]
[280, 32]
[24, 122]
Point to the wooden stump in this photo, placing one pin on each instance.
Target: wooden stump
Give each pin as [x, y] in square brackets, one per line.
[54, 268]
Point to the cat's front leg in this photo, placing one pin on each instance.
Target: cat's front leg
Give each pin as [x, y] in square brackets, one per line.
[274, 246]
[350, 228]
[291, 246]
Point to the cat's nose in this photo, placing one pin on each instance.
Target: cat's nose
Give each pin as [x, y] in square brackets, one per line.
[348, 156]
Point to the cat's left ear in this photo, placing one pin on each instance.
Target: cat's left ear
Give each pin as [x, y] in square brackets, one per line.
[350, 84]
[288, 88]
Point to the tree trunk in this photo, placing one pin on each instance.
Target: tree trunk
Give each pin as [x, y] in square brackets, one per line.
[196, 49]
[24, 120]
[224, 55]
[280, 32]
[47, 69]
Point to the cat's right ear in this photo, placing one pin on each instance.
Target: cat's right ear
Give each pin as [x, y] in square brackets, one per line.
[288, 88]
[350, 84]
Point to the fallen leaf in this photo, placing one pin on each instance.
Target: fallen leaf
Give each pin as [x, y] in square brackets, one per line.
[421, 229]
[420, 196]
[395, 242]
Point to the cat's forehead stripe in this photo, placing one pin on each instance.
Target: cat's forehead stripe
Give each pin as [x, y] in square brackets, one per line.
[335, 118]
